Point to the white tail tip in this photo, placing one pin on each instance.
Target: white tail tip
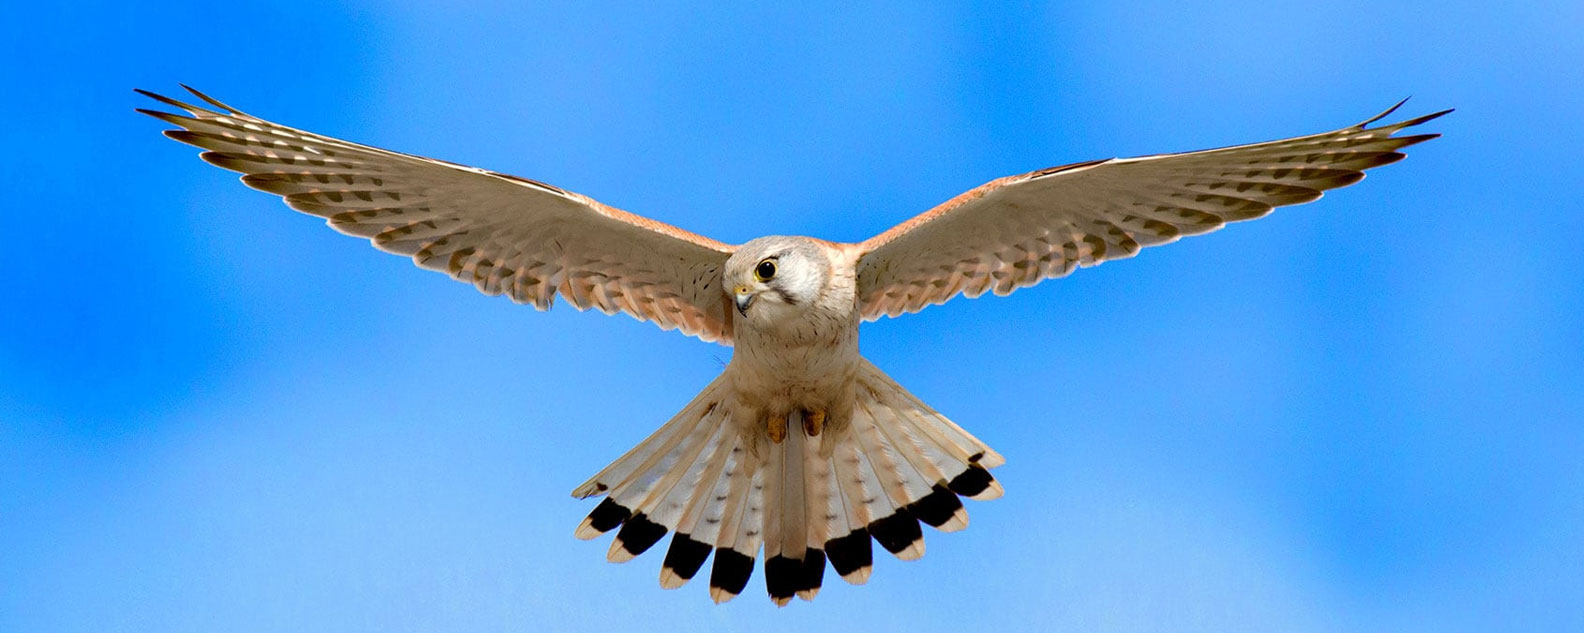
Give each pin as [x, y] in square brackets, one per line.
[721, 596]
[618, 552]
[958, 521]
[913, 551]
[859, 576]
[991, 492]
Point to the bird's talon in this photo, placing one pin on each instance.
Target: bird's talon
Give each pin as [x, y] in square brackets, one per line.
[813, 422]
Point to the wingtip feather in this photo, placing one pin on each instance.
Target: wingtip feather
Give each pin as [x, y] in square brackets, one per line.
[1425, 119]
[1384, 114]
[174, 103]
[210, 100]
[168, 117]
[1403, 124]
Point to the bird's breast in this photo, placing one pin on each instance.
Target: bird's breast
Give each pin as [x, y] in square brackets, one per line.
[809, 351]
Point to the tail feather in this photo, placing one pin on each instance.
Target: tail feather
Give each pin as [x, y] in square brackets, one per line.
[669, 500]
[648, 501]
[897, 531]
[794, 564]
[944, 433]
[785, 496]
[925, 459]
[938, 507]
[825, 517]
[849, 545]
[739, 541]
[822, 517]
[861, 484]
[636, 465]
[690, 546]
[804, 500]
[724, 500]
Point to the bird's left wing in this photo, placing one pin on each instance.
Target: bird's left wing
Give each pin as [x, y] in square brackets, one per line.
[1016, 231]
[503, 234]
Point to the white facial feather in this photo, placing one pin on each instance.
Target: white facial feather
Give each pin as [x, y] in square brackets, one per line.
[801, 274]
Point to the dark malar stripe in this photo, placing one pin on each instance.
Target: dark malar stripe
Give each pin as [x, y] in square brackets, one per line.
[972, 481]
[937, 507]
[638, 534]
[896, 532]
[731, 571]
[686, 556]
[850, 553]
[607, 515]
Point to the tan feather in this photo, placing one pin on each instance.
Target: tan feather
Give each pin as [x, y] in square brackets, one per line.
[503, 234]
[1013, 232]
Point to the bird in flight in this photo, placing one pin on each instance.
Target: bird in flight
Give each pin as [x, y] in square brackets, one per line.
[800, 446]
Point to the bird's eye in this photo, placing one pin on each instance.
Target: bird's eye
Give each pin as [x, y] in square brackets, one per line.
[765, 270]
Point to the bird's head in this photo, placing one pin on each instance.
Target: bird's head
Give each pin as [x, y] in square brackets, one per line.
[772, 278]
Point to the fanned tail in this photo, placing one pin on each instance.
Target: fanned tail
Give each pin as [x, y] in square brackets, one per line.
[807, 500]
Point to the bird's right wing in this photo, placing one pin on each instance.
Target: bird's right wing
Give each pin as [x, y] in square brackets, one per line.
[503, 234]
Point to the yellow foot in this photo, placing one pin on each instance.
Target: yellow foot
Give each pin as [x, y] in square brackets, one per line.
[813, 422]
[777, 428]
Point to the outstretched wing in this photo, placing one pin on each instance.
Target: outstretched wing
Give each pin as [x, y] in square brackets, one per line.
[503, 234]
[1016, 231]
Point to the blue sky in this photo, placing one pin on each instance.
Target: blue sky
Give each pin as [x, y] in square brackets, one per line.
[1361, 414]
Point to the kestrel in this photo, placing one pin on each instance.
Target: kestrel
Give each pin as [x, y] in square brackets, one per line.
[800, 445]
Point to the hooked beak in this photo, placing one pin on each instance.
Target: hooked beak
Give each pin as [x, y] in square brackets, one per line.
[743, 295]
